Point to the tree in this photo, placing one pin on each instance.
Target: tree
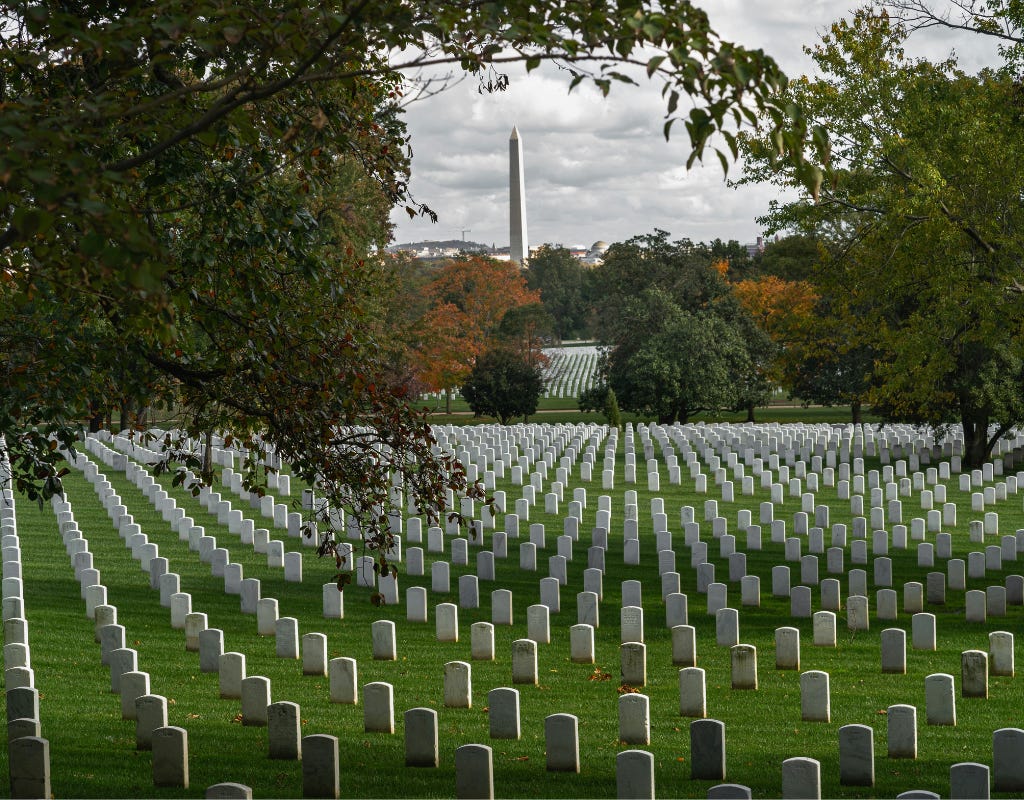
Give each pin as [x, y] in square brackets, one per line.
[782, 310]
[792, 258]
[561, 280]
[675, 363]
[207, 187]
[922, 246]
[611, 409]
[525, 329]
[470, 296]
[681, 342]
[503, 385]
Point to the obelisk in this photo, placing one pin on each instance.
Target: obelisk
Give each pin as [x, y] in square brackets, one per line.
[519, 247]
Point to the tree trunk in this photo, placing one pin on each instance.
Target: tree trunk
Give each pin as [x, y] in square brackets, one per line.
[976, 446]
[96, 420]
[447, 401]
[856, 413]
[750, 413]
[208, 459]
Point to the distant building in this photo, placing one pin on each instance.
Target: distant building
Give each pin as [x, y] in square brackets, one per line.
[595, 255]
[756, 248]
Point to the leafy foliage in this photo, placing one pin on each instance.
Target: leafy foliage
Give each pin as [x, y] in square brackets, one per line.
[192, 197]
[504, 385]
[470, 298]
[562, 282]
[682, 344]
[922, 245]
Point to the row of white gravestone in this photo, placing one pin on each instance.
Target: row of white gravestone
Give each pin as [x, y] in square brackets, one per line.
[28, 754]
[570, 371]
[169, 744]
[218, 558]
[875, 473]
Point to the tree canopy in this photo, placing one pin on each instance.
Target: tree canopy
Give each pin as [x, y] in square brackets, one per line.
[920, 221]
[194, 198]
[680, 341]
[503, 384]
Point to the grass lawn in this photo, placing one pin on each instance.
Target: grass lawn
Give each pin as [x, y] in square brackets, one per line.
[93, 752]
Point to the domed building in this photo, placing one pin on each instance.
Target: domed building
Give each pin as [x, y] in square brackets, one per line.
[595, 255]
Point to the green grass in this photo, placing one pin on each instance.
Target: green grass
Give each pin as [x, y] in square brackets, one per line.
[92, 749]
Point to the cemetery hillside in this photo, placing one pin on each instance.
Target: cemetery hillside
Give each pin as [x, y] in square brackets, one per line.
[286, 511]
[799, 609]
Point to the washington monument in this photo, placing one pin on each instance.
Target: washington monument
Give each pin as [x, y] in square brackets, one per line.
[519, 245]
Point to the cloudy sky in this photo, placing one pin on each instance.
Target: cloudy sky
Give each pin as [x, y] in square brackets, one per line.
[600, 168]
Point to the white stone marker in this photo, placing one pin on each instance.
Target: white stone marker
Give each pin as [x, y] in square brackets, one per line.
[581, 644]
[474, 772]
[939, 699]
[634, 775]
[857, 614]
[503, 713]
[787, 648]
[856, 755]
[561, 741]
[727, 627]
[894, 651]
[524, 661]
[631, 622]
[684, 645]
[378, 708]
[815, 701]
[634, 719]
[633, 663]
[133, 686]
[744, 666]
[320, 766]
[286, 638]
[692, 692]
[343, 680]
[801, 779]
[446, 622]
[29, 760]
[314, 654]
[284, 731]
[150, 714]
[170, 757]
[1008, 760]
[382, 635]
[824, 629]
[974, 673]
[538, 624]
[901, 725]
[707, 750]
[255, 700]
[969, 781]
[481, 637]
[421, 737]
[501, 607]
[1000, 653]
[266, 616]
[458, 685]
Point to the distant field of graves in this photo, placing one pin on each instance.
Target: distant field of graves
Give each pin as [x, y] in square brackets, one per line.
[801, 610]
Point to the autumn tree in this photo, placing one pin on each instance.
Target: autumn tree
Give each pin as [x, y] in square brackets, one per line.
[469, 297]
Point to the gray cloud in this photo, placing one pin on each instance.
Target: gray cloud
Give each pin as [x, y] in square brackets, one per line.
[600, 168]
